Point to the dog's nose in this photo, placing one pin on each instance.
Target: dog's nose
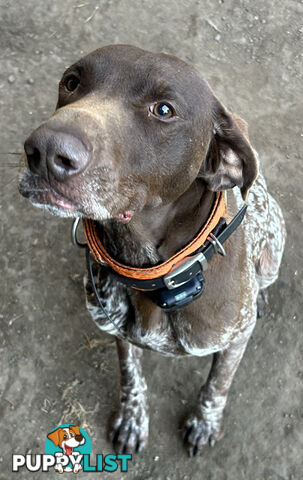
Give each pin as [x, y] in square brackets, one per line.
[62, 154]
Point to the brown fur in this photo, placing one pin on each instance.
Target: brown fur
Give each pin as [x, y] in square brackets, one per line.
[165, 173]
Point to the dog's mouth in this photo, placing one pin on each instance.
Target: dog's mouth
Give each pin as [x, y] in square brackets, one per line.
[51, 197]
[41, 193]
[68, 450]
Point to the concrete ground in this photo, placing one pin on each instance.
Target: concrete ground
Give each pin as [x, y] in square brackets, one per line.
[55, 365]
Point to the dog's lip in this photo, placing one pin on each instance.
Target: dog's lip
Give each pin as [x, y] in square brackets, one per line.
[50, 196]
[59, 200]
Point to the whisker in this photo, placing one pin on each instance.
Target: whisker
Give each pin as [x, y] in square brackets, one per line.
[9, 165]
[15, 173]
[11, 153]
[34, 191]
[31, 190]
[10, 181]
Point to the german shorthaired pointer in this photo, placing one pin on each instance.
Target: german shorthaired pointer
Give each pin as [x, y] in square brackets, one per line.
[143, 151]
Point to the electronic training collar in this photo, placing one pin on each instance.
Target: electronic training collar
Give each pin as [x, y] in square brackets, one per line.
[179, 280]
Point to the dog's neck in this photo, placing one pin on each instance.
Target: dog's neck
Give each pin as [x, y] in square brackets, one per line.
[154, 235]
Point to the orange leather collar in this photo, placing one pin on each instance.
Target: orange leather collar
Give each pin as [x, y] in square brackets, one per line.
[101, 254]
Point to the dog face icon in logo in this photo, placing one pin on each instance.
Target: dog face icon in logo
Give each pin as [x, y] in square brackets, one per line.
[68, 439]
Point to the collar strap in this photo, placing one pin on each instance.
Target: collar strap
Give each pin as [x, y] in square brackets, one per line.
[183, 265]
[102, 256]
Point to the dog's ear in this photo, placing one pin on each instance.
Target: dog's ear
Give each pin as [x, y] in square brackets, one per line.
[54, 436]
[75, 429]
[230, 160]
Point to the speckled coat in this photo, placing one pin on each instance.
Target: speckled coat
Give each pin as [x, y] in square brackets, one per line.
[140, 143]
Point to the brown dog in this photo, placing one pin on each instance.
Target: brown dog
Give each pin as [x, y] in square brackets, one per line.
[140, 144]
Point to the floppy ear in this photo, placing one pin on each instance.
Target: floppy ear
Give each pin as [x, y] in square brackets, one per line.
[54, 436]
[75, 429]
[230, 159]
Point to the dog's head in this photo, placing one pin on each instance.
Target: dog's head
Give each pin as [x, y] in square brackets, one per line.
[133, 129]
[67, 438]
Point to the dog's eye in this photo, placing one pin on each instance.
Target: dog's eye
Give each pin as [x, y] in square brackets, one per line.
[71, 83]
[162, 110]
[65, 437]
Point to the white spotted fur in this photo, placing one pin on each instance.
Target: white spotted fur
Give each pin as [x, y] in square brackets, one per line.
[264, 232]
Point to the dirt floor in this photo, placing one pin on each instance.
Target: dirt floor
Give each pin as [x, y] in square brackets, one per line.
[55, 365]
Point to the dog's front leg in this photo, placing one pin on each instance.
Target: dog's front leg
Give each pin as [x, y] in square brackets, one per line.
[129, 432]
[205, 424]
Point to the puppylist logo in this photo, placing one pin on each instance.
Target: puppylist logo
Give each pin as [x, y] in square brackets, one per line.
[68, 449]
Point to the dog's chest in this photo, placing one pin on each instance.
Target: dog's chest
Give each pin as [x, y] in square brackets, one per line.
[139, 321]
[201, 329]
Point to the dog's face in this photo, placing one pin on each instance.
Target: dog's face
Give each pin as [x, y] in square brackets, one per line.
[132, 129]
[67, 438]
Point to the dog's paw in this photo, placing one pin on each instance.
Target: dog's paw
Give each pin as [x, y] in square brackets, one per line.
[199, 432]
[59, 468]
[129, 432]
[77, 468]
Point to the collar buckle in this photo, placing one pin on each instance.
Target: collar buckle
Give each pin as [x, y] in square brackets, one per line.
[185, 272]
